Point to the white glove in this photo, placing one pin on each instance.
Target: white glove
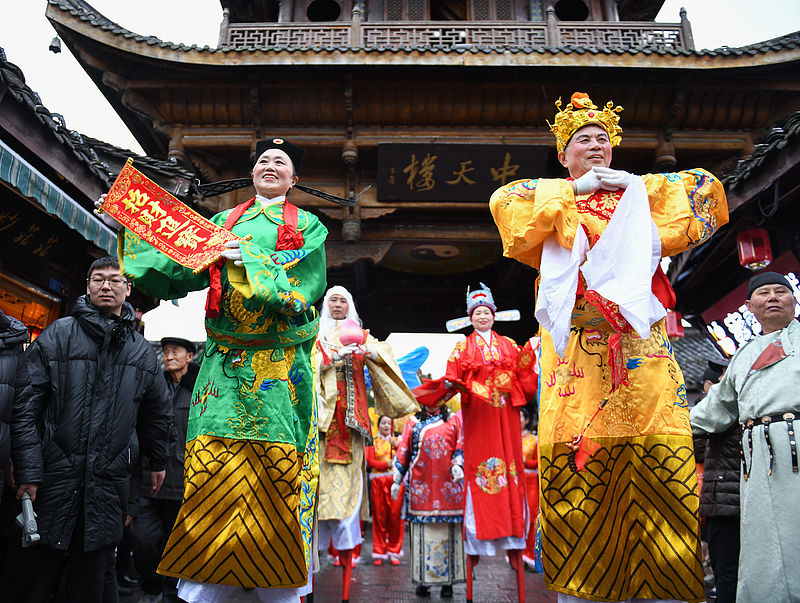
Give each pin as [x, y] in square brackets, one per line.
[345, 350]
[447, 383]
[613, 179]
[457, 472]
[107, 220]
[587, 184]
[395, 491]
[233, 252]
[368, 351]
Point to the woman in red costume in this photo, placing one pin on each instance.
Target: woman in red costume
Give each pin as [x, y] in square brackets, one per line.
[485, 368]
[430, 453]
[387, 527]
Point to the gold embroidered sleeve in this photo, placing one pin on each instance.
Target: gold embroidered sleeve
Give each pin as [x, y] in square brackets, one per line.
[528, 211]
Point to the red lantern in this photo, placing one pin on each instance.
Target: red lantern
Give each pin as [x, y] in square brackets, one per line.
[755, 252]
[673, 324]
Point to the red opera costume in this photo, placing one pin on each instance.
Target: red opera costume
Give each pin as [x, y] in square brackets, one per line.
[429, 449]
[493, 463]
[429, 453]
[387, 526]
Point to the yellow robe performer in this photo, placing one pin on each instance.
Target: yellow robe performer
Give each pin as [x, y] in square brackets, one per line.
[625, 524]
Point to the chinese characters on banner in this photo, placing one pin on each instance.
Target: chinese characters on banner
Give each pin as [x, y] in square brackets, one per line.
[167, 224]
[453, 172]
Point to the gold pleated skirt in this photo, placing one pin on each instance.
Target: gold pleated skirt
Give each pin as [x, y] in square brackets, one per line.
[633, 506]
[239, 520]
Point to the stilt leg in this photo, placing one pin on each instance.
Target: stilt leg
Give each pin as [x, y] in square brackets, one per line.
[346, 558]
[472, 561]
[518, 565]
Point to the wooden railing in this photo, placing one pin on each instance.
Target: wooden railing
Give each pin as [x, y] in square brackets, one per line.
[464, 34]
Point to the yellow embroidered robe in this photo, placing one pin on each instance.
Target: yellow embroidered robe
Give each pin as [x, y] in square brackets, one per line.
[626, 525]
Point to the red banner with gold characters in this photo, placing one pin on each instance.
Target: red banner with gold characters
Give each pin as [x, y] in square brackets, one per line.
[148, 210]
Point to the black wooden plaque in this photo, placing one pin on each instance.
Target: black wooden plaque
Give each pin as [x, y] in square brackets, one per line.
[454, 172]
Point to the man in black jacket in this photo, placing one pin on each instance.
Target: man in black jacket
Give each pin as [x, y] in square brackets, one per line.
[95, 383]
[157, 513]
[15, 391]
[16, 407]
[719, 499]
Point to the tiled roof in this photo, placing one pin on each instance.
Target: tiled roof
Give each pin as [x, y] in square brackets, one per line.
[785, 42]
[150, 164]
[85, 12]
[84, 147]
[692, 352]
[12, 75]
[765, 150]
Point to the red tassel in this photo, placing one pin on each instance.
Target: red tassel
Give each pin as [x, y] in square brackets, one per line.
[215, 270]
[288, 236]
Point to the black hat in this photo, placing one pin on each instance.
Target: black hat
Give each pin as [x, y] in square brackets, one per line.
[294, 152]
[766, 278]
[718, 363]
[190, 347]
[711, 375]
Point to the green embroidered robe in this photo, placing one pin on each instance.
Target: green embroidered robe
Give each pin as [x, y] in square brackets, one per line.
[251, 450]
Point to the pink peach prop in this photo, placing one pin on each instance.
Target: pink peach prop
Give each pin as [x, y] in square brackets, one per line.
[350, 332]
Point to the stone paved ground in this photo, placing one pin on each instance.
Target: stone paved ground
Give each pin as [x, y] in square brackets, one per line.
[495, 582]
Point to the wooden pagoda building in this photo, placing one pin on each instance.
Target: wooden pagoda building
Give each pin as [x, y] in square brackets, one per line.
[434, 104]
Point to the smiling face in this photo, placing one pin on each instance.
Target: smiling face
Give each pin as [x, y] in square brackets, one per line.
[385, 426]
[773, 306]
[338, 306]
[482, 318]
[273, 174]
[589, 147]
[107, 290]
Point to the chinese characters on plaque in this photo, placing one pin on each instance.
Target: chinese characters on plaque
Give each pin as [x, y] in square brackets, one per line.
[453, 172]
[167, 224]
[31, 238]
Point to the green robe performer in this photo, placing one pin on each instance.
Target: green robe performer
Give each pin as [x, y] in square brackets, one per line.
[251, 450]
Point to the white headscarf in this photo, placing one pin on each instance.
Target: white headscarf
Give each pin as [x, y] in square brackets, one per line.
[326, 321]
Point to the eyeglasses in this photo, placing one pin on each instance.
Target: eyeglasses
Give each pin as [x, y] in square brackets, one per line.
[114, 281]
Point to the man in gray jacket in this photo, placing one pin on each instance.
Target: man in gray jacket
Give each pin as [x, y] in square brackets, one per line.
[96, 383]
[759, 391]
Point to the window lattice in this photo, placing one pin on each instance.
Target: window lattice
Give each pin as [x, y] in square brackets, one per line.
[394, 10]
[503, 8]
[416, 10]
[480, 10]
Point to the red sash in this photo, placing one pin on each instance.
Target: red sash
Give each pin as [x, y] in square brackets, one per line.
[288, 238]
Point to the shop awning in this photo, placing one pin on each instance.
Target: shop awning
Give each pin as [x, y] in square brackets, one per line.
[33, 184]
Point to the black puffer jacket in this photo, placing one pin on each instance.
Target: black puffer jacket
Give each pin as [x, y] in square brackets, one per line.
[16, 409]
[95, 384]
[721, 470]
[172, 488]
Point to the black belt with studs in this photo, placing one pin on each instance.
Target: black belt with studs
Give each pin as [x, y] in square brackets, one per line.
[789, 418]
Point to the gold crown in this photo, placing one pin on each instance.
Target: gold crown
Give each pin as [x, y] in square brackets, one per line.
[581, 111]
